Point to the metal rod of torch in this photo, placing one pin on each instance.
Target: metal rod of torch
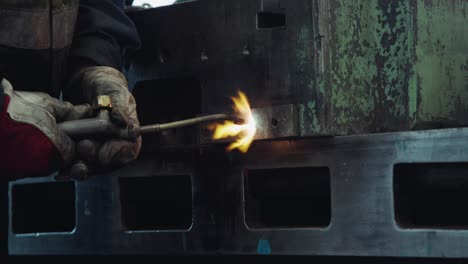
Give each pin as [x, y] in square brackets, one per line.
[102, 126]
[156, 128]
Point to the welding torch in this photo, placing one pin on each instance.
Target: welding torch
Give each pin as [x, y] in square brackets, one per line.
[102, 127]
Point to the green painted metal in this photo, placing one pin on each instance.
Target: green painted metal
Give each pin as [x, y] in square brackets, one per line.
[386, 66]
[442, 60]
[350, 66]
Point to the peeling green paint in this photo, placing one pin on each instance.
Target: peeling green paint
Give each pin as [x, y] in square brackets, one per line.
[308, 111]
[312, 110]
[372, 52]
[388, 66]
[441, 50]
[301, 113]
[321, 86]
[398, 58]
[305, 51]
[353, 71]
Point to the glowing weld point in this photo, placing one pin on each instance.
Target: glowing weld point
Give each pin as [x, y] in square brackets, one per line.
[243, 133]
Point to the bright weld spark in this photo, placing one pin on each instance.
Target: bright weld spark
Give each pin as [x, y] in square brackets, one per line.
[243, 133]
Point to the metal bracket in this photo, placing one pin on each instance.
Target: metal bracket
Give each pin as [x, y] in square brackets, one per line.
[276, 122]
[273, 122]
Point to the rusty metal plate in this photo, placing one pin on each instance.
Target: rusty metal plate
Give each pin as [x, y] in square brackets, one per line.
[280, 121]
[276, 122]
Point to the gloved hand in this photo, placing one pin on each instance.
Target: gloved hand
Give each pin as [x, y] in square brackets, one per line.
[102, 80]
[31, 143]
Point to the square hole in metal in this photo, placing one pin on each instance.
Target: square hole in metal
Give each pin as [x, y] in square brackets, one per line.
[287, 197]
[431, 195]
[43, 207]
[267, 20]
[156, 203]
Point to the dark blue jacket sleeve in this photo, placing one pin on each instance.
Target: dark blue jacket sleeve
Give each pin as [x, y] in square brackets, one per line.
[103, 33]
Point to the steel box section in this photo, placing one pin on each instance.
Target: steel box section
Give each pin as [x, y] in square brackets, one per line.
[362, 204]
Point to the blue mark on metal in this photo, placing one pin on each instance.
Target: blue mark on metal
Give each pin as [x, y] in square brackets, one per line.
[263, 247]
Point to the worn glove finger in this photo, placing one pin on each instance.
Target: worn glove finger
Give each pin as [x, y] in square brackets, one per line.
[119, 117]
[66, 146]
[126, 115]
[116, 153]
[86, 157]
[65, 111]
[87, 151]
[60, 110]
[79, 171]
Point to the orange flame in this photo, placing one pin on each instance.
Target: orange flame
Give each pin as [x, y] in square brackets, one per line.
[243, 133]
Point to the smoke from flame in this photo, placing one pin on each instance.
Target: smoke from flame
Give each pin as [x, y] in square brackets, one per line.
[243, 133]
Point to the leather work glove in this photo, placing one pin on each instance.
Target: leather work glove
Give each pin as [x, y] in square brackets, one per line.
[30, 142]
[102, 80]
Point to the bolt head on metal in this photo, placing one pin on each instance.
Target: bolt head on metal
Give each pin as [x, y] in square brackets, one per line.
[245, 51]
[203, 56]
[104, 101]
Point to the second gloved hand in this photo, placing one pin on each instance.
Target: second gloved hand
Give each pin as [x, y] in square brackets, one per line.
[31, 143]
[102, 80]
